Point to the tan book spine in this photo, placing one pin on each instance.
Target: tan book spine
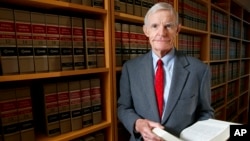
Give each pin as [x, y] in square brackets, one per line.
[118, 44]
[53, 42]
[25, 115]
[139, 39]
[65, 30]
[123, 6]
[8, 50]
[100, 51]
[51, 109]
[132, 41]
[86, 103]
[117, 5]
[96, 104]
[138, 8]
[78, 43]
[24, 41]
[9, 115]
[125, 42]
[39, 42]
[75, 105]
[90, 43]
[130, 7]
[87, 2]
[64, 106]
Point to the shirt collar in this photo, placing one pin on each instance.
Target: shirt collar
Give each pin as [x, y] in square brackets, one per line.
[166, 59]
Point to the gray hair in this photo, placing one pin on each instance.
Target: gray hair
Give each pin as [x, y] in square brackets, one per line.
[161, 6]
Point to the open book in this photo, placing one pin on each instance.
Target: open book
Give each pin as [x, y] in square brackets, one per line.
[206, 130]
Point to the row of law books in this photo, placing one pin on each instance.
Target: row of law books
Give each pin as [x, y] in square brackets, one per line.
[16, 116]
[193, 14]
[137, 7]
[65, 106]
[234, 49]
[218, 73]
[218, 48]
[32, 42]
[92, 3]
[190, 44]
[218, 97]
[130, 42]
[219, 22]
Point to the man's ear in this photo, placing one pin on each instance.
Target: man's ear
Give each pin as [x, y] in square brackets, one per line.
[145, 30]
[178, 28]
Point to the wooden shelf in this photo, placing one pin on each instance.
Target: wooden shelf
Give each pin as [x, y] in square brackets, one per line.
[20, 77]
[75, 134]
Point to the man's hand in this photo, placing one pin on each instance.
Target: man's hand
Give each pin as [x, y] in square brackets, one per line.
[144, 127]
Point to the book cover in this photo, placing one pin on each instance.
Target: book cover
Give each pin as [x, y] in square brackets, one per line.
[96, 104]
[8, 49]
[25, 114]
[100, 51]
[75, 105]
[205, 130]
[51, 109]
[64, 106]
[39, 42]
[24, 41]
[65, 43]
[86, 103]
[9, 115]
[52, 32]
[90, 35]
[78, 43]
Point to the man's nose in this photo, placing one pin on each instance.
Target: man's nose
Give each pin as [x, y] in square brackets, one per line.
[162, 31]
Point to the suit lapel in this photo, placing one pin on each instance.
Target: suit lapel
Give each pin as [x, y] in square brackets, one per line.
[147, 80]
[177, 84]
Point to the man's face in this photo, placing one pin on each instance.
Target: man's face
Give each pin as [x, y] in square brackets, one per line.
[161, 31]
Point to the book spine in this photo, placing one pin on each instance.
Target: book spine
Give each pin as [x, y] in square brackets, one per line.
[87, 2]
[90, 43]
[51, 109]
[78, 43]
[125, 42]
[130, 7]
[8, 49]
[100, 51]
[75, 105]
[64, 106]
[98, 3]
[65, 30]
[9, 115]
[25, 115]
[96, 104]
[132, 41]
[118, 44]
[86, 103]
[24, 41]
[138, 8]
[39, 42]
[52, 32]
[123, 6]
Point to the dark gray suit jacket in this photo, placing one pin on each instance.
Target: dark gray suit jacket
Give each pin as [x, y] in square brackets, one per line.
[189, 96]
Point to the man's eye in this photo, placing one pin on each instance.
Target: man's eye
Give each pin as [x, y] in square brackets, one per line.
[169, 26]
[154, 26]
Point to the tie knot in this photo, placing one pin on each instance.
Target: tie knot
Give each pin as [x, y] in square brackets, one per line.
[159, 62]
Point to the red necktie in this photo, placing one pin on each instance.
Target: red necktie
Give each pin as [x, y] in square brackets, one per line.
[159, 86]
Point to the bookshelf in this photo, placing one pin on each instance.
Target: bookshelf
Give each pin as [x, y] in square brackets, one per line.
[220, 27]
[102, 73]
